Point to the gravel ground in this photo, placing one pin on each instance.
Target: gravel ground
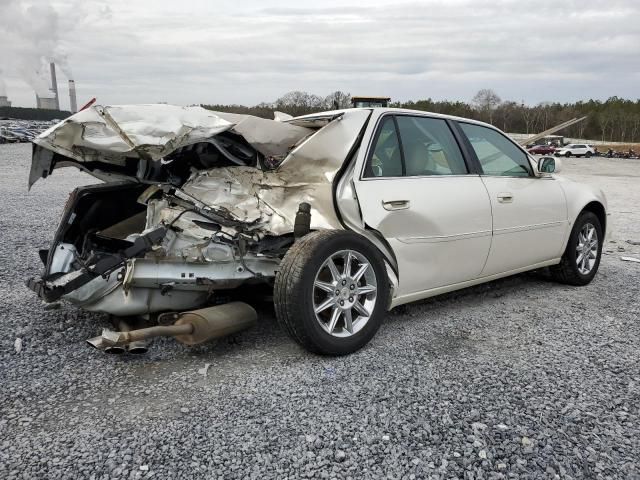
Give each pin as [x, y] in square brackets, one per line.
[519, 378]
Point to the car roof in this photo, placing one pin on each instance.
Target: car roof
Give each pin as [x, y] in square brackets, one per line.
[383, 110]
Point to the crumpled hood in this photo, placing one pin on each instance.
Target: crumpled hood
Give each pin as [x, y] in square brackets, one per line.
[106, 141]
[127, 142]
[269, 200]
[142, 131]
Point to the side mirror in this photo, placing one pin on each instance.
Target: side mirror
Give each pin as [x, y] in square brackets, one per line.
[547, 165]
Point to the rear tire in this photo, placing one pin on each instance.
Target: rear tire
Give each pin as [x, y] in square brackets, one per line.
[331, 292]
[581, 258]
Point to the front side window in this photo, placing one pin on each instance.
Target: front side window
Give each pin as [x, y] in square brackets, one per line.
[429, 147]
[498, 156]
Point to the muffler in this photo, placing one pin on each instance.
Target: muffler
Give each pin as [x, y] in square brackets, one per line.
[190, 328]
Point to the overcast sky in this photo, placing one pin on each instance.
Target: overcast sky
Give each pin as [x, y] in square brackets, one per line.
[248, 51]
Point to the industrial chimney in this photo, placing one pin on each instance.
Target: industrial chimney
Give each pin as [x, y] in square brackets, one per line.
[73, 102]
[54, 85]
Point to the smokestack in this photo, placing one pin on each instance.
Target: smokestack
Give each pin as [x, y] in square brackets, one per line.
[73, 103]
[54, 85]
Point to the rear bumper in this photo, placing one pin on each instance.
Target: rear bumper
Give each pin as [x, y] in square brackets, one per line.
[52, 290]
[38, 287]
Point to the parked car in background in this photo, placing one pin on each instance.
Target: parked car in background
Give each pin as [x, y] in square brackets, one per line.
[575, 149]
[542, 149]
[339, 216]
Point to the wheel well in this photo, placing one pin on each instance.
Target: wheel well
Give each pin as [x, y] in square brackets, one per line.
[598, 209]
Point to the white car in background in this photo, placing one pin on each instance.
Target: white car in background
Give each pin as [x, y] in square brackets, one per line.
[575, 149]
[340, 216]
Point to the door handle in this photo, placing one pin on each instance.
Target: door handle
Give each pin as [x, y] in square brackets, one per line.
[395, 204]
[505, 197]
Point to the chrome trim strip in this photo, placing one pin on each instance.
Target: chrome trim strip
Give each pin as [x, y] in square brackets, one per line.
[417, 177]
[445, 238]
[526, 228]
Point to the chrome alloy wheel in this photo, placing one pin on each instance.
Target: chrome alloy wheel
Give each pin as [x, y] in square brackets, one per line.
[587, 248]
[344, 293]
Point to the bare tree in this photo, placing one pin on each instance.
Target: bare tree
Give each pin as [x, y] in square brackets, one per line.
[299, 103]
[604, 119]
[545, 114]
[635, 126]
[337, 100]
[486, 100]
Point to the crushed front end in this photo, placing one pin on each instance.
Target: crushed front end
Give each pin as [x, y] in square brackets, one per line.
[193, 203]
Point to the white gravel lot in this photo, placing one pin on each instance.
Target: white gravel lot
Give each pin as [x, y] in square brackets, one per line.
[519, 378]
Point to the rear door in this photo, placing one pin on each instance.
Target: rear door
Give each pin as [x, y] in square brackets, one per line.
[416, 189]
[529, 212]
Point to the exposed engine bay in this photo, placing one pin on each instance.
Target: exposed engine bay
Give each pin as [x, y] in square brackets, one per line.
[194, 202]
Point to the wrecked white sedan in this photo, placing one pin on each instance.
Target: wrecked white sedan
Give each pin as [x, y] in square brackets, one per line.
[340, 216]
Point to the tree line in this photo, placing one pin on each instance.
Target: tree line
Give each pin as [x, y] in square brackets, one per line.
[613, 120]
[20, 113]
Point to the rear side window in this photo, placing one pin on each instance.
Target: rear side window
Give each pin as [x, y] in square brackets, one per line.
[386, 160]
[498, 156]
[429, 147]
[414, 146]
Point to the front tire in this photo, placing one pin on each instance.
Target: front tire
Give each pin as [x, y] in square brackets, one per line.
[581, 258]
[331, 292]
[568, 154]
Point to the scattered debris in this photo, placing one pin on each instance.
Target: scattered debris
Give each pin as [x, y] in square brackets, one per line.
[478, 426]
[18, 345]
[51, 306]
[630, 259]
[633, 242]
[330, 373]
[144, 468]
[204, 370]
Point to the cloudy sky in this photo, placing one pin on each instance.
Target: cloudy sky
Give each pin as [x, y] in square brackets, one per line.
[248, 51]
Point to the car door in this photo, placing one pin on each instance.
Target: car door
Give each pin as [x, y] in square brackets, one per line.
[529, 212]
[416, 190]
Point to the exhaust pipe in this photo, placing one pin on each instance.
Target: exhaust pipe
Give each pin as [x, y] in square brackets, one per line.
[137, 347]
[123, 326]
[114, 350]
[191, 328]
[134, 347]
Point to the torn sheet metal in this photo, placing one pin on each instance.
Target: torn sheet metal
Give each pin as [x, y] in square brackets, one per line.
[216, 220]
[110, 133]
[109, 138]
[268, 200]
[317, 120]
[270, 137]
